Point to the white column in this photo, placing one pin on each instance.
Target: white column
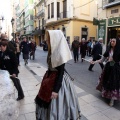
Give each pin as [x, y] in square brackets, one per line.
[55, 9]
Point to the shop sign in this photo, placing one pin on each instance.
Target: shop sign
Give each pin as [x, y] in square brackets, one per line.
[114, 21]
[102, 29]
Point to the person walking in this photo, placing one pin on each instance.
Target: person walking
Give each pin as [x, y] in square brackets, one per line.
[8, 61]
[25, 50]
[32, 49]
[17, 50]
[89, 43]
[75, 49]
[109, 82]
[63, 104]
[83, 48]
[96, 53]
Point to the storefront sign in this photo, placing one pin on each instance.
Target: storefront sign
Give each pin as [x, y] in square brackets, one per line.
[102, 29]
[114, 21]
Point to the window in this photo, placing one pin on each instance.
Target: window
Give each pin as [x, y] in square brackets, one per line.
[52, 10]
[64, 8]
[114, 11]
[43, 23]
[111, 1]
[39, 24]
[48, 11]
[58, 9]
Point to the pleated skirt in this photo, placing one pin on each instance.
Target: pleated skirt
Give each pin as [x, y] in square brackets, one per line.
[65, 107]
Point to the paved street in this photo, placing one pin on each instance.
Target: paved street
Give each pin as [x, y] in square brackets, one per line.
[93, 106]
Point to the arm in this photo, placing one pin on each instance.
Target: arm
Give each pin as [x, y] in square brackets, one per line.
[58, 81]
[14, 63]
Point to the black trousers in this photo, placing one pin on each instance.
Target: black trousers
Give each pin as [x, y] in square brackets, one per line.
[32, 54]
[18, 55]
[76, 55]
[91, 65]
[17, 84]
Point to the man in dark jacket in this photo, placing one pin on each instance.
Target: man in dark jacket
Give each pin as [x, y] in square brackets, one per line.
[8, 61]
[32, 49]
[25, 50]
[96, 53]
[75, 49]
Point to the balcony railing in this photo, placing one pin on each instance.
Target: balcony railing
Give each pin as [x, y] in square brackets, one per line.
[41, 13]
[110, 3]
[62, 15]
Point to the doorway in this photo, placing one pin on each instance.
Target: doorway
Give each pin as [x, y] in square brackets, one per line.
[113, 32]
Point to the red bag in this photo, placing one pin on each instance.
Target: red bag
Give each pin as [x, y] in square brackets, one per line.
[47, 85]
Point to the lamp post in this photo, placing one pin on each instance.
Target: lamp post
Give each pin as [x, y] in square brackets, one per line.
[12, 22]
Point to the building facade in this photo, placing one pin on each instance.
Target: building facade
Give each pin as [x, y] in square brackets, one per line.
[109, 19]
[24, 18]
[39, 21]
[73, 17]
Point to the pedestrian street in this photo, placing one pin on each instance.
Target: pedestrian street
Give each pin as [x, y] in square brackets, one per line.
[92, 108]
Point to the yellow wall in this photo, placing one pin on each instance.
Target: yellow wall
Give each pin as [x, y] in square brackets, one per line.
[76, 26]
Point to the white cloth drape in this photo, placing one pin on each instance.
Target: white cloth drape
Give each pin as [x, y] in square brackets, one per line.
[60, 52]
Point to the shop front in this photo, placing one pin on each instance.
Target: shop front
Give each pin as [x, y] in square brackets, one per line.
[113, 28]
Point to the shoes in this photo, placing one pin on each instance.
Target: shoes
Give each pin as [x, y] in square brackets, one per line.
[111, 103]
[91, 70]
[26, 62]
[20, 98]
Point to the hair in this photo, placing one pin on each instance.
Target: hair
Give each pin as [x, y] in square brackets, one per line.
[100, 39]
[83, 39]
[4, 43]
[116, 50]
[3, 36]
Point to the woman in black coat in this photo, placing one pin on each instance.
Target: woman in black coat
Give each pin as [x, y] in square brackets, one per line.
[109, 83]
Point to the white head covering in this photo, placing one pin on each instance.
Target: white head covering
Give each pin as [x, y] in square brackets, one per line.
[60, 52]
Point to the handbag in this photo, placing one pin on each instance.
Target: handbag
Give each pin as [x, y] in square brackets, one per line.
[47, 85]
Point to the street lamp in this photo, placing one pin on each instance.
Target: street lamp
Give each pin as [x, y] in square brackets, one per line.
[12, 22]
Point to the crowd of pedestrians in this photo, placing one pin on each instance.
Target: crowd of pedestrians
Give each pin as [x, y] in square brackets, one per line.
[62, 89]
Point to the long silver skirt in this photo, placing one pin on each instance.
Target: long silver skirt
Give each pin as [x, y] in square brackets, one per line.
[65, 107]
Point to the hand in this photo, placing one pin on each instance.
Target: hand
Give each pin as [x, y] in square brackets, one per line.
[13, 75]
[92, 62]
[54, 95]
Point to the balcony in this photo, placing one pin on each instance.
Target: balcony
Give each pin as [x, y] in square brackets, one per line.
[38, 31]
[62, 15]
[41, 13]
[110, 3]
